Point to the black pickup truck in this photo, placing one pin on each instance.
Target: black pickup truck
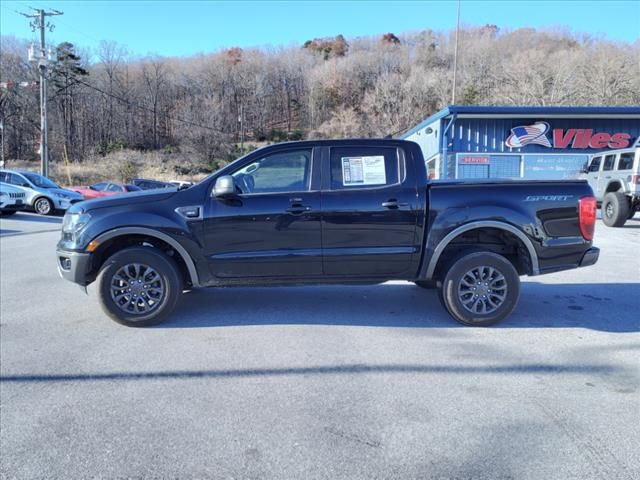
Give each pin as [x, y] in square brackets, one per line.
[333, 211]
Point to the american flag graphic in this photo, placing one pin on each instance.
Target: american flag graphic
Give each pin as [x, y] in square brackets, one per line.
[530, 134]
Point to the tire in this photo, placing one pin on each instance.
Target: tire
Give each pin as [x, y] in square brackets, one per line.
[7, 213]
[152, 299]
[493, 304]
[426, 284]
[43, 206]
[615, 209]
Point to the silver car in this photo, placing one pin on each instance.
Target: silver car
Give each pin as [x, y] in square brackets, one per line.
[41, 194]
[614, 177]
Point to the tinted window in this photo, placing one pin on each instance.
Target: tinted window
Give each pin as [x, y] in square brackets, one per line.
[114, 188]
[133, 188]
[363, 167]
[14, 179]
[626, 161]
[279, 172]
[3, 176]
[609, 160]
[40, 181]
[595, 164]
[99, 186]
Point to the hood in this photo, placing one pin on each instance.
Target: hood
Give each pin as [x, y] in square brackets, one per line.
[131, 198]
[64, 191]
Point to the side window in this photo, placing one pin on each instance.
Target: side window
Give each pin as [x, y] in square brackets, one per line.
[626, 161]
[99, 187]
[279, 172]
[609, 160]
[3, 177]
[114, 188]
[364, 167]
[18, 180]
[594, 166]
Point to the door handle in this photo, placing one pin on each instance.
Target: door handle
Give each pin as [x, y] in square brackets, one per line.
[298, 209]
[392, 203]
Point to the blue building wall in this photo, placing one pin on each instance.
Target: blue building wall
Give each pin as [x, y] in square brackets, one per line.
[486, 135]
[482, 138]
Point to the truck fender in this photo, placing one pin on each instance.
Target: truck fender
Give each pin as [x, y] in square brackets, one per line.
[433, 262]
[118, 232]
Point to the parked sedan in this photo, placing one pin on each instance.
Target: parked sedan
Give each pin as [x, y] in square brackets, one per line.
[105, 189]
[146, 184]
[11, 199]
[41, 194]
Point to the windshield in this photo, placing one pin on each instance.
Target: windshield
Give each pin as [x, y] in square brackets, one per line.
[40, 181]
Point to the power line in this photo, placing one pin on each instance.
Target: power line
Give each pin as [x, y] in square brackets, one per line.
[149, 109]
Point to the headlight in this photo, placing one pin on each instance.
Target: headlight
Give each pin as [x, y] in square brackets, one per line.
[2, 194]
[62, 195]
[73, 223]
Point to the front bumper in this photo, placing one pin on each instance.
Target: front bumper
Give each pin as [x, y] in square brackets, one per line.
[74, 266]
[590, 257]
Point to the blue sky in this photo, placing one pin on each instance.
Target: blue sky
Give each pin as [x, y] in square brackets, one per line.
[179, 28]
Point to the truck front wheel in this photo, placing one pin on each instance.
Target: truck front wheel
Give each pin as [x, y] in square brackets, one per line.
[480, 289]
[615, 209]
[139, 286]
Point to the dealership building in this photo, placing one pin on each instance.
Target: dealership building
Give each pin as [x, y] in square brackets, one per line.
[521, 142]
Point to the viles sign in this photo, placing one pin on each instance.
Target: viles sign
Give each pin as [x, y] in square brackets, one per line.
[585, 138]
[578, 138]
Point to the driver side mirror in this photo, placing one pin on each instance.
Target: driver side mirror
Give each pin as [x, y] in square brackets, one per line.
[224, 187]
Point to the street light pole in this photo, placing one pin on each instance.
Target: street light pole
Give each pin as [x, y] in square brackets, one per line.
[455, 59]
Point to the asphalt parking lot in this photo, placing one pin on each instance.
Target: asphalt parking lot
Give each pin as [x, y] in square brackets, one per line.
[320, 382]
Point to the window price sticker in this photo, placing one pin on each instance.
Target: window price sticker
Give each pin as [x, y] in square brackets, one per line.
[363, 171]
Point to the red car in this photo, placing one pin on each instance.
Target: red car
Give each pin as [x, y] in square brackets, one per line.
[105, 189]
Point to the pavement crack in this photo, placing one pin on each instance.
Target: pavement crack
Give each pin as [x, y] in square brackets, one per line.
[353, 437]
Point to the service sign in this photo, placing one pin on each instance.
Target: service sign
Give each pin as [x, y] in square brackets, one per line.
[540, 133]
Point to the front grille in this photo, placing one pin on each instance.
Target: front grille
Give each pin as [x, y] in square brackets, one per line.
[16, 195]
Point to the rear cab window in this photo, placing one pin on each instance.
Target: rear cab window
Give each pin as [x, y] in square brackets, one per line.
[365, 167]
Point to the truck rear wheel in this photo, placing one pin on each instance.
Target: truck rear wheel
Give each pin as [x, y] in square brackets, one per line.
[480, 289]
[139, 286]
[615, 209]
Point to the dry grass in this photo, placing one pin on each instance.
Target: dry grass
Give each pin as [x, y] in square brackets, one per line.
[122, 166]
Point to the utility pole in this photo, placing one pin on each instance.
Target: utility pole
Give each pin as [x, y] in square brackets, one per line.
[455, 59]
[39, 21]
[2, 142]
[241, 120]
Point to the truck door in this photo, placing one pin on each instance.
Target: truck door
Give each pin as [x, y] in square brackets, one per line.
[271, 228]
[369, 213]
[593, 172]
[606, 174]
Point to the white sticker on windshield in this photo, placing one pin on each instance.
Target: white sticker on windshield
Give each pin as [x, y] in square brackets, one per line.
[363, 171]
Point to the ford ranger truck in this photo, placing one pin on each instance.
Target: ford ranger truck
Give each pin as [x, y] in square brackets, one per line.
[328, 212]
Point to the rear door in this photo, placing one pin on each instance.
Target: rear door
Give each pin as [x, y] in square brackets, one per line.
[369, 212]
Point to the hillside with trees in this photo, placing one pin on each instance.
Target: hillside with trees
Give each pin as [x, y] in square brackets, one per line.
[327, 87]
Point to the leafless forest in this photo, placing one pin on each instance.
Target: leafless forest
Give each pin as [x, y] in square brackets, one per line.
[198, 107]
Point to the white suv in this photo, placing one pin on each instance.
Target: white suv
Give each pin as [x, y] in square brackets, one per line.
[614, 177]
[12, 199]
